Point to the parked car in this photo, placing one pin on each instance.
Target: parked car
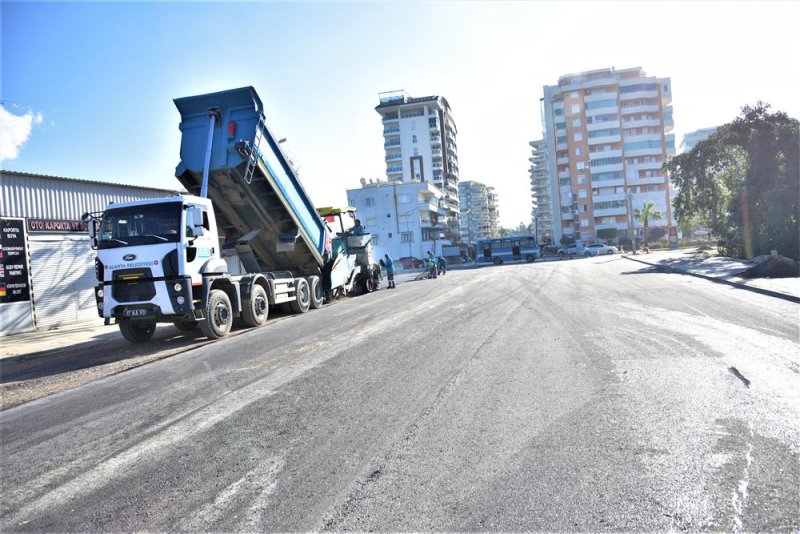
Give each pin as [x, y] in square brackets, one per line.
[570, 251]
[596, 249]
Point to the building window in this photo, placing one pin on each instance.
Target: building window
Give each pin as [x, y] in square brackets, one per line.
[580, 165]
[577, 136]
[574, 94]
[579, 151]
[406, 237]
[576, 123]
[575, 108]
[376, 239]
[581, 179]
[416, 150]
[582, 193]
[369, 202]
[584, 222]
[413, 138]
[403, 199]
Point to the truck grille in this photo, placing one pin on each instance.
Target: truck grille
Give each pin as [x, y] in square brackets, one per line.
[133, 285]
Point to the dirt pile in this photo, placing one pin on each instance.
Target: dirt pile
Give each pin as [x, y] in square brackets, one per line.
[774, 267]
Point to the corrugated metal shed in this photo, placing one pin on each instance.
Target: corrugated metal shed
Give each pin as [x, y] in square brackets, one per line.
[53, 197]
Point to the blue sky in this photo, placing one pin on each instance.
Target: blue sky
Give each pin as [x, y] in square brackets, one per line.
[96, 80]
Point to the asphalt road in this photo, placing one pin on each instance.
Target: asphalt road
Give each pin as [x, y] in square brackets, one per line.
[589, 395]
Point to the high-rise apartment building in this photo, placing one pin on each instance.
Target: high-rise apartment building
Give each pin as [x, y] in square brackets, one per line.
[541, 214]
[479, 211]
[691, 139]
[493, 202]
[420, 141]
[607, 137]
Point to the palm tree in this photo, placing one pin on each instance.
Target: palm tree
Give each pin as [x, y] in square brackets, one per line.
[645, 214]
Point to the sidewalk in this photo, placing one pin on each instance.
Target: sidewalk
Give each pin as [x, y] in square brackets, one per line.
[719, 269]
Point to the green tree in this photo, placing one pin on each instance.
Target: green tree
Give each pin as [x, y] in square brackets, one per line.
[645, 214]
[745, 180]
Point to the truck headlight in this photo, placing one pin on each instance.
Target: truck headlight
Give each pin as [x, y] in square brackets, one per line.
[177, 287]
[179, 300]
[99, 293]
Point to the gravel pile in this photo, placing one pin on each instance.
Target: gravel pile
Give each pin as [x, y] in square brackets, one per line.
[774, 267]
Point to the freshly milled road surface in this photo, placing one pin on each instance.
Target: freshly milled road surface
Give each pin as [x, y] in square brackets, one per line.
[584, 395]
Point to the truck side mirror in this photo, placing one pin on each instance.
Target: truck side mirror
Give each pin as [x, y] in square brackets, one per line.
[195, 222]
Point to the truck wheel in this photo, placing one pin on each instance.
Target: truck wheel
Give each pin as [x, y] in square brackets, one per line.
[137, 332]
[316, 291]
[255, 309]
[366, 285]
[303, 296]
[218, 317]
[497, 261]
[186, 326]
[530, 258]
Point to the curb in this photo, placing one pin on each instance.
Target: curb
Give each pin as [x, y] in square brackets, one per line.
[767, 292]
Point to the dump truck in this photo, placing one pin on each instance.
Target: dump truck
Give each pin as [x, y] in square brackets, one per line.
[244, 238]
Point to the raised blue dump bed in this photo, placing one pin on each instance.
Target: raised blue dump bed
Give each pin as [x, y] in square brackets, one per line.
[265, 195]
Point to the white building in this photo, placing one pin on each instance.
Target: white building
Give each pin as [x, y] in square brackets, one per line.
[405, 219]
[420, 143]
[691, 139]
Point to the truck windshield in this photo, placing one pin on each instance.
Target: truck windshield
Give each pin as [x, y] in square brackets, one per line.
[140, 225]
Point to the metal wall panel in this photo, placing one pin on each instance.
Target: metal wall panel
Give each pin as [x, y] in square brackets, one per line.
[45, 197]
[62, 279]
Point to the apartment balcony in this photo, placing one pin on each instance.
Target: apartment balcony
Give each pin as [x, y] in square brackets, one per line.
[563, 160]
[605, 95]
[436, 140]
[604, 140]
[391, 143]
[431, 205]
[617, 226]
[605, 154]
[436, 152]
[610, 211]
[616, 182]
[394, 169]
[646, 180]
[563, 174]
[394, 157]
[651, 151]
[649, 166]
[391, 130]
[601, 111]
[438, 165]
[639, 94]
[669, 124]
[602, 125]
[587, 84]
[390, 119]
[566, 216]
[642, 123]
[597, 169]
[434, 125]
[646, 108]
[643, 137]
[562, 146]
[607, 197]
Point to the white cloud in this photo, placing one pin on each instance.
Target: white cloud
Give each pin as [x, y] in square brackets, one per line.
[15, 130]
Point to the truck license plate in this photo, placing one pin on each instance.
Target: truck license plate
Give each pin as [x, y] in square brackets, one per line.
[136, 313]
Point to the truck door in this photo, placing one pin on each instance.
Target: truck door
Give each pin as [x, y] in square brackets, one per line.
[198, 249]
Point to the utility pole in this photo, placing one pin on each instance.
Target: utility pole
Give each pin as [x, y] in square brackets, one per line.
[629, 198]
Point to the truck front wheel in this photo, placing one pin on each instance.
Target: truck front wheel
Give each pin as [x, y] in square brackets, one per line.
[302, 300]
[255, 309]
[316, 291]
[218, 317]
[136, 332]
